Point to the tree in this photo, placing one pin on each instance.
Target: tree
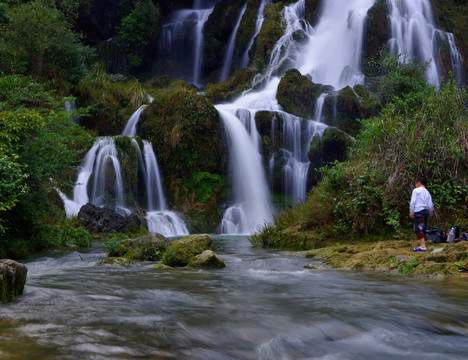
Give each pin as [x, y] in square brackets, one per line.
[37, 40]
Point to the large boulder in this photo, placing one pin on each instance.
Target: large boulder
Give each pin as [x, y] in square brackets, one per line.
[179, 252]
[148, 247]
[13, 278]
[297, 94]
[105, 220]
[206, 260]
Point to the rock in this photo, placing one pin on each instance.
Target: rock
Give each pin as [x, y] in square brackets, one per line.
[206, 260]
[13, 278]
[105, 220]
[403, 258]
[162, 267]
[297, 94]
[314, 266]
[148, 247]
[436, 251]
[179, 252]
[116, 261]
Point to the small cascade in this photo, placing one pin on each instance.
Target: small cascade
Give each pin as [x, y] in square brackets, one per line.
[130, 128]
[182, 41]
[414, 32]
[258, 26]
[101, 164]
[230, 48]
[252, 208]
[70, 107]
[319, 107]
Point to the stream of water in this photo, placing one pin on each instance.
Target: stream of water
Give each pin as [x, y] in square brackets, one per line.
[264, 305]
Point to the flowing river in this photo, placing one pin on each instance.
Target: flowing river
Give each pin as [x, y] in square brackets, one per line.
[264, 305]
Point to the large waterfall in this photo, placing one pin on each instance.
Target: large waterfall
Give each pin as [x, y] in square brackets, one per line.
[102, 162]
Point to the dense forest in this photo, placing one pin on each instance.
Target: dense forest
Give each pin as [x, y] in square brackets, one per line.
[111, 57]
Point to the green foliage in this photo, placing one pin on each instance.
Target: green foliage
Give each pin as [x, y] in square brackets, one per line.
[138, 29]
[39, 153]
[204, 185]
[407, 267]
[37, 40]
[399, 76]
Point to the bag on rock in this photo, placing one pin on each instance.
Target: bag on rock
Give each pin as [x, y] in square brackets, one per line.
[436, 235]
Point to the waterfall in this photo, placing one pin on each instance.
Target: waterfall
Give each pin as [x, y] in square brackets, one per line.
[130, 128]
[258, 26]
[182, 34]
[230, 48]
[252, 208]
[413, 32]
[102, 158]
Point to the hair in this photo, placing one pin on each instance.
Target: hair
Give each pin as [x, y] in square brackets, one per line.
[422, 179]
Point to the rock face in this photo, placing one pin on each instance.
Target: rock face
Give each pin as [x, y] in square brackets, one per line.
[206, 260]
[13, 278]
[149, 247]
[180, 252]
[297, 94]
[105, 220]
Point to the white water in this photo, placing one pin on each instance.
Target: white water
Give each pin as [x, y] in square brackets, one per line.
[97, 161]
[230, 47]
[340, 32]
[182, 25]
[130, 128]
[413, 32]
[252, 208]
[258, 26]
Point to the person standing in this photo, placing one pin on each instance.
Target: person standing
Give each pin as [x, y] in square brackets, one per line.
[421, 207]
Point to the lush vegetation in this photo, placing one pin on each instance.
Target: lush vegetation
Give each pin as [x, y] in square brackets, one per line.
[40, 147]
[422, 130]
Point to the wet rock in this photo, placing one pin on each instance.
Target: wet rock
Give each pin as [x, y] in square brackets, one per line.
[105, 220]
[148, 247]
[403, 258]
[206, 260]
[312, 11]
[179, 252]
[314, 266]
[297, 94]
[116, 261]
[13, 278]
[162, 267]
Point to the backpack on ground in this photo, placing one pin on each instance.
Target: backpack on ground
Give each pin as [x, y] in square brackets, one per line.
[435, 235]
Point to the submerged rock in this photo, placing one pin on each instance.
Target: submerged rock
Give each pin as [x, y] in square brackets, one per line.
[206, 260]
[13, 279]
[148, 247]
[105, 220]
[179, 252]
[116, 261]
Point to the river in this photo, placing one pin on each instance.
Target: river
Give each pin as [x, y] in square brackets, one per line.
[264, 305]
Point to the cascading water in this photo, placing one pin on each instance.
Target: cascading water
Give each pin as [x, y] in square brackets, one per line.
[230, 47]
[182, 34]
[258, 26]
[414, 32]
[343, 68]
[97, 161]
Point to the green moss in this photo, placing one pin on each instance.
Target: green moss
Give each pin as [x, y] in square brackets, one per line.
[179, 252]
[233, 87]
[377, 32]
[297, 94]
[128, 163]
[247, 26]
[269, 34]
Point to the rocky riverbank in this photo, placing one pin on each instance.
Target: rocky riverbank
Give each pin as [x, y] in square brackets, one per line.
[394, 256]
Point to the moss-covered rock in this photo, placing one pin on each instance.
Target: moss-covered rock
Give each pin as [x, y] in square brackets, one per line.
[233, 87]
[129, 166]
[269, 34]
[185, 131]
[149, 247]
[12, 279]
[217, 31]
[247, 27]
[121, 261]
[206, 260]
[297, 94]
[179, 252]
[377, 32]
[351, 106]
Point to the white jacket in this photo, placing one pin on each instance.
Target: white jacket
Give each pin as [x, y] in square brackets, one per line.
[420, 200]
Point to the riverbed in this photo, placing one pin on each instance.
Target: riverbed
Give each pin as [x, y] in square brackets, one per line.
[264, 305]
